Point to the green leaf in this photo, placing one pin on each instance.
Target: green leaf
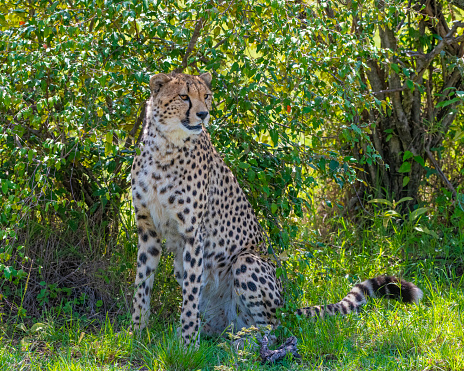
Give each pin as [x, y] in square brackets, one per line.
[447, 102]
[407, 155]
[416, 213]
[274, 136]
[426, 231]
[333, 165]
[410, 84]
[381, 201]
[395, 67]
[405, 167]
[390, 213]
[285, 237]
[109, 137]
[405, 181]
[4, 186]
[251, 175]
[37, 327]
[273, 208]
[419, 160]
[404, 199]
[7, 101]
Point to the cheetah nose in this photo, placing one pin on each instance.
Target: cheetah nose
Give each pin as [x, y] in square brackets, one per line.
[202, 114]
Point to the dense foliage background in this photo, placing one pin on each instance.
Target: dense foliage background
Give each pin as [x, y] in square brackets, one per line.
[328, 112]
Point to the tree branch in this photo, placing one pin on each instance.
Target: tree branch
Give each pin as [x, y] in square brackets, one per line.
[130, 136]
[136, 126]
[376, 78]
[191, 45]
[451, 83]
[429, 57]
[437, 50]
[388, 40]
[458, 3]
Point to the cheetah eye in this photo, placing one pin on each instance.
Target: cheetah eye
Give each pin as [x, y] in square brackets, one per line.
[207, 96]
[183, 97]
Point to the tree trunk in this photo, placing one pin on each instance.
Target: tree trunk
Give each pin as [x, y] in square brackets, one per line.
[414, 124]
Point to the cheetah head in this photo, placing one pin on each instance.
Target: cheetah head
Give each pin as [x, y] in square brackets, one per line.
[180, 103]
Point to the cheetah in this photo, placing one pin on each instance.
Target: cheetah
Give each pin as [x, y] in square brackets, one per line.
[184, 193]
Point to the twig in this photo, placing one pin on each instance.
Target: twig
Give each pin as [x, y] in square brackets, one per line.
[219, 43]
[230, 4]
[442, 175]
[25, 288]
[402, 21]
[70, 274]
[360, 201]
[386, 91]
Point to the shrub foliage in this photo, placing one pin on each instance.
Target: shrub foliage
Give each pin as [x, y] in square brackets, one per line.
[292, 106]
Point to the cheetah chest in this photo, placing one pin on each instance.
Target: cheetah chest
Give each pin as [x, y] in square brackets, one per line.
[156, 190]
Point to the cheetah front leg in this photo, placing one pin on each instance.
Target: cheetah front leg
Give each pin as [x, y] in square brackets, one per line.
[192, 286]
[149, 251]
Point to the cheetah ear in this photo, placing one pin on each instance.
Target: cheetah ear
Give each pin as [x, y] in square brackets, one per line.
[206, 77]
[157, 81]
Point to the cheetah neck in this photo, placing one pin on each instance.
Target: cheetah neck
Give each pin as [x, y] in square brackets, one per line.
[163, 150]
[160, 135]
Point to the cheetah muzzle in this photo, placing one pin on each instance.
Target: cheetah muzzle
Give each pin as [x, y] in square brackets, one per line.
[184, 193]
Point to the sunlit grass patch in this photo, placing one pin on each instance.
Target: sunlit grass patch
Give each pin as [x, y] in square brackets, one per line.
[70, 345]
[167, 352]
[385, 335]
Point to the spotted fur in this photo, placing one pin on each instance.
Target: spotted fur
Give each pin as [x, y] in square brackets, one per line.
[184, 193]
[378, 287]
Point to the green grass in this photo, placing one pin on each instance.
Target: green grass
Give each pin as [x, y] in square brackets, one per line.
[386, 335]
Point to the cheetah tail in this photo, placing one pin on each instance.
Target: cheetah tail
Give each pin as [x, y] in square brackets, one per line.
[381, 286]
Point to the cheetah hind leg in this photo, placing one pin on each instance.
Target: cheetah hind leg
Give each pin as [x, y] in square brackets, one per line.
[258, 289]
[260, 294]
